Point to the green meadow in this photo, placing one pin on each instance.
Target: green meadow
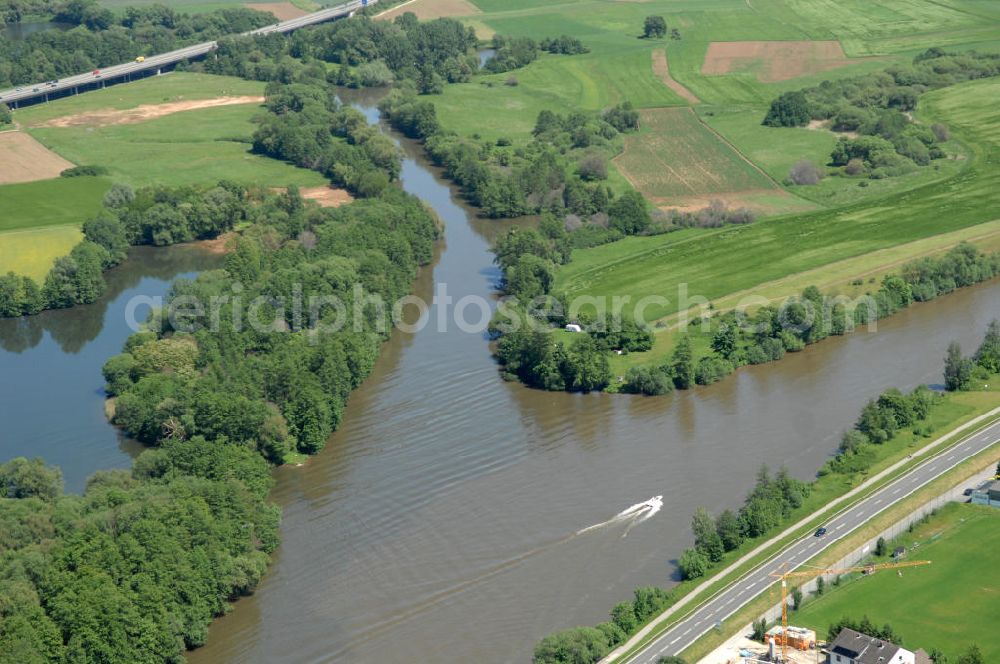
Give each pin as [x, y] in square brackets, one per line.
[190, 147]
[41, 221]
[949, 604]
[718, 262]
[618, 66]
[172, 87]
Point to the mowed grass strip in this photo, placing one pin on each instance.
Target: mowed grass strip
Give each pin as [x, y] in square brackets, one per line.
[949, 604]
[717, 263]
[674, 154]
[53, 202]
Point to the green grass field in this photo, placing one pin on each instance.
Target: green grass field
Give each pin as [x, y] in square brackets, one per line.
[192, 147]
[176, 86]
[716, 263]
[619, 67]
[49, 202]
[776, 149]
[41, 221]
[32, 252]
[675, 155]
[946, 605]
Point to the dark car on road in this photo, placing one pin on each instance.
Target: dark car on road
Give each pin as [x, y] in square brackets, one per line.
[821, 532]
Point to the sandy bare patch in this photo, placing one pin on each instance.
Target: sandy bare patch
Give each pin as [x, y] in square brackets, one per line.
[145, 112]
[326, 196]
[824, 125]
[774, 61]
[23, 159]
[283, 11]
[430, 9]
[751, 198]
[662, 70]
[221, 245]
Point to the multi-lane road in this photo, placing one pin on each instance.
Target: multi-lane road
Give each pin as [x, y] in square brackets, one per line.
[687, 631]
[88, 80]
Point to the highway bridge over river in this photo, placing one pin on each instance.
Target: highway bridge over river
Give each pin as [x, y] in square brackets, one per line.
[155, 64]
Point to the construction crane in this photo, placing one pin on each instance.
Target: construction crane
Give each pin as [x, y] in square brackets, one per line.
[784, 575]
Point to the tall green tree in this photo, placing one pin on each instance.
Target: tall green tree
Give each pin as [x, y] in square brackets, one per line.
[988, 354]
[790, 109]
[682, 364]
[654, 27]
[957, 369]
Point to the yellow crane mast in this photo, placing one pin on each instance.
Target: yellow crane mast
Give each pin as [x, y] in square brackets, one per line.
[784, 575]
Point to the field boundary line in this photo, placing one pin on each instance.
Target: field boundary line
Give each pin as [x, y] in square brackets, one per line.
[742, 156]
[657, 622]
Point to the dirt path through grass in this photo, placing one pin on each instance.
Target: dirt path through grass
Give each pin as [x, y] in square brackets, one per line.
[662, 70]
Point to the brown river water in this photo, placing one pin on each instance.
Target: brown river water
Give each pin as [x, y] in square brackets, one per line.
[439, 523]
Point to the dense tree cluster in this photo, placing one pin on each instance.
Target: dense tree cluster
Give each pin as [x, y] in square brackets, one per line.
[531, 356]
[13, 11]
[516, 52]
[587, 645]
[135, 569]
[366, 53]
[768, 505]
[308, 127]
[154, 215]
[961, 371]
[880, 421]
[877, 105]
[279, 385]
[103, 38]
[505, 181]
[654, 27]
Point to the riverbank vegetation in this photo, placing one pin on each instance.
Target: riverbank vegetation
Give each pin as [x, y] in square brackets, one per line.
[158, 216]
[712, 346]
[134, 569]
[276, 384]
[888, 429]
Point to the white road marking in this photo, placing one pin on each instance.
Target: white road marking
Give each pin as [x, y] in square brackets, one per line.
[674, 641]
[897, 490]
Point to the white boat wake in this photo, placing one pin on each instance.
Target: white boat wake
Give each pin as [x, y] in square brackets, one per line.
[634, 515]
